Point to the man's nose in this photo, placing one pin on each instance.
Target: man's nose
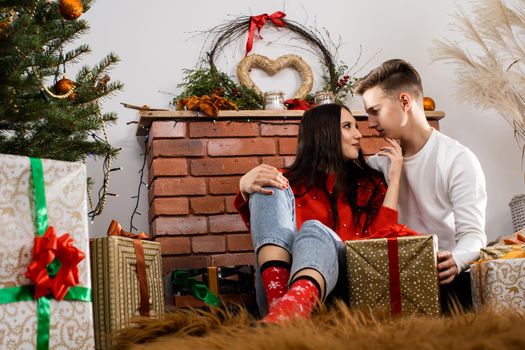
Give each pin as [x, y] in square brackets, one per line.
[372, 123]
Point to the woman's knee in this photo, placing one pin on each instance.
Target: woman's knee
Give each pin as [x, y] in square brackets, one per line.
[281, 201]
[315, 228]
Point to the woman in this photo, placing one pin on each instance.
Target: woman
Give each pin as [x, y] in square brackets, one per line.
[299, 219]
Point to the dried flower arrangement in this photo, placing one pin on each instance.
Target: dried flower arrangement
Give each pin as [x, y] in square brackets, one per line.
[491, 73]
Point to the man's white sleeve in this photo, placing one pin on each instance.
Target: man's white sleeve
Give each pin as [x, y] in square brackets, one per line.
[379, 163]
[468, 197]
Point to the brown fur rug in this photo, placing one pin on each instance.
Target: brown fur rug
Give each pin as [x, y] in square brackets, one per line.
[334, 329]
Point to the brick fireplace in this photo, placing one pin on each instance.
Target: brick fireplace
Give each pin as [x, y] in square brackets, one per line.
[194, 169]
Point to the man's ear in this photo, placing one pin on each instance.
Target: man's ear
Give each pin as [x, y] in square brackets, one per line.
[406, 101]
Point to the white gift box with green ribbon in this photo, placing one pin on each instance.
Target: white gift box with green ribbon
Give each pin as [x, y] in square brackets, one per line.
[45, 285]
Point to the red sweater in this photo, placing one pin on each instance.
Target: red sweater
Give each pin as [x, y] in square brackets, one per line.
[314, 205]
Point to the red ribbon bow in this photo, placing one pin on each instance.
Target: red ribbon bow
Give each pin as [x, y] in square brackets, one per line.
[115, 229]
[392, 231]
[259, 21]
[297, 104]
[48, 248]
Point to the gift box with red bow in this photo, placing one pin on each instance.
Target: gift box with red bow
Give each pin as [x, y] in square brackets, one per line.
[498, 278]
[127, 281]
[394, 271]
[45, 284]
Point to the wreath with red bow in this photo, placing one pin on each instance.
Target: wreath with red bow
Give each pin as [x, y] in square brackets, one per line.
[337, 77]
[197, 82]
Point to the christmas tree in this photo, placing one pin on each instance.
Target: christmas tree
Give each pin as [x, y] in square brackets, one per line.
[43, 113]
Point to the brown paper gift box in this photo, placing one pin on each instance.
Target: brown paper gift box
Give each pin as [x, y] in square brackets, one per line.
[71, 322]
[369, 275]
[499, 282]
[116, 294]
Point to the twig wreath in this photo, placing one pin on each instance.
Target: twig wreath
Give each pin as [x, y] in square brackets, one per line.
[207, 79]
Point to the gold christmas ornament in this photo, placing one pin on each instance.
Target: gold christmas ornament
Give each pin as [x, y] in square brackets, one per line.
[70, 9]
[64, 88]
[428, 104]
[272, 67]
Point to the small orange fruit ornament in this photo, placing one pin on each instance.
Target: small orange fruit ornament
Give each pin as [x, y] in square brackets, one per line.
[428, 104]
[70, 9]
[64, 86]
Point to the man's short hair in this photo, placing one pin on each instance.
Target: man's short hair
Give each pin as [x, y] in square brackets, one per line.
[393, 77]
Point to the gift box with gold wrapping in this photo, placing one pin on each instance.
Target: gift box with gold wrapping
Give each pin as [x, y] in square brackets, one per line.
[396, 275]
[504, 245]
[499, 282]
[44, 230]
[120, 290]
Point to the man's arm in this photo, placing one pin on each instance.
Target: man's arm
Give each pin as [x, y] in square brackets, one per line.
[468, 197]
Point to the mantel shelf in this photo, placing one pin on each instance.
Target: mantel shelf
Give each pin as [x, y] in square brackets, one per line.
[147, 117]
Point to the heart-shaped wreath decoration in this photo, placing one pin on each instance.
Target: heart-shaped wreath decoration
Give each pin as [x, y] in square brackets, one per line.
[272, 67]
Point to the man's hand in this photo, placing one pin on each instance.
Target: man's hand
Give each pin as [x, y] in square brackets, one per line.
[395, 154]
[259, 177]
[447, 268]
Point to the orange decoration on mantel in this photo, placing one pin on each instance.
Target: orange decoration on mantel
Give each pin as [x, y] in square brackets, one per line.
[428, 104]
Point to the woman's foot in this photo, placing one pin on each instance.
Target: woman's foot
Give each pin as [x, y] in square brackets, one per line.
[298, 302]
[275, 275]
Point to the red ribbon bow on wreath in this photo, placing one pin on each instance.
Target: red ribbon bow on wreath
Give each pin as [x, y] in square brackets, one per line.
[54, 268]
[259, 21]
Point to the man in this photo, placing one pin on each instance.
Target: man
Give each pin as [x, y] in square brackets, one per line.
[442, 188]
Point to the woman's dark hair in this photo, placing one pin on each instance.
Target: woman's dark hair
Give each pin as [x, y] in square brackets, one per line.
[319, 153]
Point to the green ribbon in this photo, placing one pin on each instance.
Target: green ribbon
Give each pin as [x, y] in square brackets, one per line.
[198, 290]
[26, 293]
[40, 195]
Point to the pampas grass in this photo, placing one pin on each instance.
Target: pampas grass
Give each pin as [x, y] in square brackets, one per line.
[491, 71]
[334, 329]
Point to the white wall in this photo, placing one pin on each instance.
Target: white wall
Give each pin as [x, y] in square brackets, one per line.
[155, 42]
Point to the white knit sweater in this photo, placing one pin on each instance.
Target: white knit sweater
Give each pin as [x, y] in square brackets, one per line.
[442, 192]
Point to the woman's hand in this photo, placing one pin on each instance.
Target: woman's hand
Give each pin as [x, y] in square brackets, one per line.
[259, 177]
[395, 154]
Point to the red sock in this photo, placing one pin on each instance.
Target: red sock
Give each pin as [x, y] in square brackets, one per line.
[275, 275]
[298, 302]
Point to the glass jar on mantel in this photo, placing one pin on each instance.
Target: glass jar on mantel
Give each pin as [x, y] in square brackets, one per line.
[274, 100]
[324, 97]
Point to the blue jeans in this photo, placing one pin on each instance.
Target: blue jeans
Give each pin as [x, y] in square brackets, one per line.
[314, 245]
